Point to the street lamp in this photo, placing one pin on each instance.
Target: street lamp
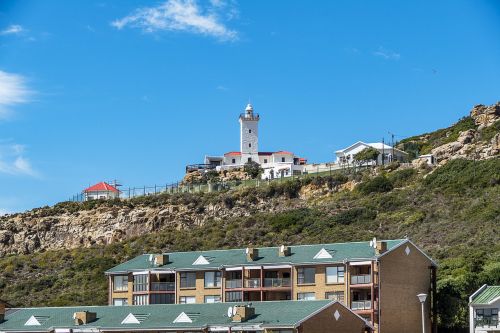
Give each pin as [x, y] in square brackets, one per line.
[422, 298]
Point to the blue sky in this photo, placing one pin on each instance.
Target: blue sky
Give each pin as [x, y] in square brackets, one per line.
[135, 90]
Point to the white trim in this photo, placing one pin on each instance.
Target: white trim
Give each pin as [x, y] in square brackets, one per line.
[163, 272]
[277, 266]
[323, 254]
[230, 269]
[201, 260]
[140, 273]
[359, 263]
[471, 297]
[253, 267]
[130, 319]
[182, 318]
[32, 321]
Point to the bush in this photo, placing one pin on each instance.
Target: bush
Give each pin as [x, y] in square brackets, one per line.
[356, 214]
[378, 184]
[401, 178]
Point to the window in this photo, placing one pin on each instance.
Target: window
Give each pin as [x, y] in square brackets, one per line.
[162, 299]
[212, 299]
[487, 317]
[249, 131]
[140, 299]
[233, 161]
[335, 296]
[335, 274]
[282, 159]
[188, 280]
[306, 296]
[141, 282]
[120, 283]
[120, 301]
[187, 300]
[249, 159]
[249, 145]
[306, 275]
[265, 160]
[212, 279]
[233, 296]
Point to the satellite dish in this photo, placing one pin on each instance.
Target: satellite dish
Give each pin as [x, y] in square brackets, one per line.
[229, 312]
[247, 250]
[150, 257]
[234, 310]
[374, 242]
[371, 243]
[282, 248]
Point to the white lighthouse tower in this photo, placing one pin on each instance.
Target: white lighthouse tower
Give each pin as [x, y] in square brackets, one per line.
[249, 135]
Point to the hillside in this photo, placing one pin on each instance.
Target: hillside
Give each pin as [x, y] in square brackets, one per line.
[57, 255]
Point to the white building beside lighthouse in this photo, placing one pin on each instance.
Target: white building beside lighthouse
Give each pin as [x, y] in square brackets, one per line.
[275, 164]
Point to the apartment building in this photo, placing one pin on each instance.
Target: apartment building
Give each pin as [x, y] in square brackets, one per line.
[262, 317]
[484, 306]
[378, 280]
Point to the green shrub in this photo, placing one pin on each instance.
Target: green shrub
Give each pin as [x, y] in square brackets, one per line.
[356, 214]
[402, 178]
[374, 185]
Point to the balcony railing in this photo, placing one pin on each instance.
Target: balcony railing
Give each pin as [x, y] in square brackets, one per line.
[276, 283]
[486, 322]
[231, 284]
[361, 305]
[162, 286]
[252, 283]
[361, 279]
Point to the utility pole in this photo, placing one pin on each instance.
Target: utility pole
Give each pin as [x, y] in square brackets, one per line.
[383, 152]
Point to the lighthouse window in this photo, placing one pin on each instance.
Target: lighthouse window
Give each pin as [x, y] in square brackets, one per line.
[249, 131]
[233, 160]
[282, 159]
[249, 145]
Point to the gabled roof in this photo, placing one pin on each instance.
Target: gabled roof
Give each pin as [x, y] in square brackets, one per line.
[300, 254]
[488, 295]
[102, 186]
[376, 145]
[284, 152]
[233, 153]
[268, 314]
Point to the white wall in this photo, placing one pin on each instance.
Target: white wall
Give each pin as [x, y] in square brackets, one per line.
[249, 136]
[472, 314]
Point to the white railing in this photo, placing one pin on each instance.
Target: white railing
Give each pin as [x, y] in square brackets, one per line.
[361, 305]
[361, 279]
[276, 283]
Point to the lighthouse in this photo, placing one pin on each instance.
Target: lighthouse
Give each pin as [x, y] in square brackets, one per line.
[249, 135]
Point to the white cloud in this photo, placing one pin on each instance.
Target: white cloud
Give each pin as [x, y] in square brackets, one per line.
[221, 88]
[386, 54]
[13, 161]
[13, 29]
[13, 91]
[180, 15]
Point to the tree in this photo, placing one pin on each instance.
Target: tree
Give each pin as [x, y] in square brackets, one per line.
[253, 169]
[367, 155]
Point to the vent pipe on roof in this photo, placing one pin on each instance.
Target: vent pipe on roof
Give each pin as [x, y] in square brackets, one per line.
[242, 313]
[381, 247]
[84, 317]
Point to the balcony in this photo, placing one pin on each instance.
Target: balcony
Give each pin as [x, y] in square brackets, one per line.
[162, 286]
[486, 322]
[252, 283]
[233, 284]
[361, 279]
[361, 305]
[276, 283]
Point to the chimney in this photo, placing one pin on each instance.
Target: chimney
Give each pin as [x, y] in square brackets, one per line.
[243, 313]
[84, 317]
[381, 247]
[2, 312]
[284, 251]
[161, 259]
[252, 254]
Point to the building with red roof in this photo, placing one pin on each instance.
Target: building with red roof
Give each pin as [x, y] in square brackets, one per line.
[101, 190]
[275, 164]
